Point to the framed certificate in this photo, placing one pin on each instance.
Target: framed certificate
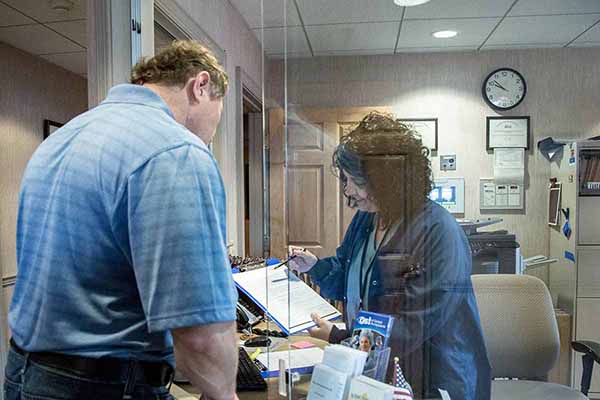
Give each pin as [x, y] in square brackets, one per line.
[507, 132]
[426, 129]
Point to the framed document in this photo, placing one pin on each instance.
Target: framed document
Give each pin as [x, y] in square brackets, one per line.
[426, 129]
[508, 132]
[50, 126]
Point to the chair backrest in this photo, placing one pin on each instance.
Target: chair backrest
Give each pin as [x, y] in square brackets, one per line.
[519, 325]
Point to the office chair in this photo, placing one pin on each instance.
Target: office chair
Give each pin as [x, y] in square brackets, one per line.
[591, 353]
[521, 337]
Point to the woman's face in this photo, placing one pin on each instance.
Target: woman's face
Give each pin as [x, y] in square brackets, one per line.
[360, 195]
[365, 344]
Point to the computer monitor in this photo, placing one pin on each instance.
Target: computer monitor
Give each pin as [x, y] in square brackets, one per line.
[449, 193]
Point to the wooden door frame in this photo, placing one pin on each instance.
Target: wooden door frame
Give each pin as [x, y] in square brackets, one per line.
[246, 88]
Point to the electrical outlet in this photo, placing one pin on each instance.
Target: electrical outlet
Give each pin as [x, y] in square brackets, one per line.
[448, 162]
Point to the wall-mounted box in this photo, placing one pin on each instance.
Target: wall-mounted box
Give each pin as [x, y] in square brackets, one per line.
[493, 196]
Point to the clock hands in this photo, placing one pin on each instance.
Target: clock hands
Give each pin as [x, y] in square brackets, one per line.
[495, 83]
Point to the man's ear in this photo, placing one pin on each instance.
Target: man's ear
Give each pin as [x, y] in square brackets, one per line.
[199, 86]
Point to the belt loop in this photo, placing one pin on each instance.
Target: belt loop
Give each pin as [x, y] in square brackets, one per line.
[25, 364]
[131, 379]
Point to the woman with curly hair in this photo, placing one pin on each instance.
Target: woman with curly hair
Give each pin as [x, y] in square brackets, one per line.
[406, 256]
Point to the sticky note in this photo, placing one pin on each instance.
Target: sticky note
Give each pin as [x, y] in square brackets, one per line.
[303, 345]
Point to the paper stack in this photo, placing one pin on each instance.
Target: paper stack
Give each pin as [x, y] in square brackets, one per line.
[331, 379]
[363, 388]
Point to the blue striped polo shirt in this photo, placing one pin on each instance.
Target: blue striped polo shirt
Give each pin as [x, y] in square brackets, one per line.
[121, 234]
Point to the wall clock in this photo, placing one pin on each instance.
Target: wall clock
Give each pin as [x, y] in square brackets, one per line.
[504, 89]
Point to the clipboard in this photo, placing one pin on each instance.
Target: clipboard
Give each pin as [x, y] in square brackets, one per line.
[274, 290]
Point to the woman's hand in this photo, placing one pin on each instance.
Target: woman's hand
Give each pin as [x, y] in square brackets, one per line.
[303, 259]
[323, 328]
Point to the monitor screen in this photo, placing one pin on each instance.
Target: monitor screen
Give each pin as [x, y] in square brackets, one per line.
[443, 195]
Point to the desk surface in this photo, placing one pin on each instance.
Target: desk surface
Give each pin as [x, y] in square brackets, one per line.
[188, 392]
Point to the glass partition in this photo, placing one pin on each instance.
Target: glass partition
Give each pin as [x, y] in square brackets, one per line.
[353, 136]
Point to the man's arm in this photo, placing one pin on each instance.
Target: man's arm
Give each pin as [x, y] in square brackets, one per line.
[207, 355]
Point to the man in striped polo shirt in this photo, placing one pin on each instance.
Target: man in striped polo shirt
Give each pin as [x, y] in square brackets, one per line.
[122, 262]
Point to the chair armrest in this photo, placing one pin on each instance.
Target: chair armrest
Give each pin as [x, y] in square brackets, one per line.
[587, 347]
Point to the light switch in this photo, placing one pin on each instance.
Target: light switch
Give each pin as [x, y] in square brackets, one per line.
[448, 162]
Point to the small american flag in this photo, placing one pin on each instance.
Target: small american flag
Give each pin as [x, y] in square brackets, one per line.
[402, 390]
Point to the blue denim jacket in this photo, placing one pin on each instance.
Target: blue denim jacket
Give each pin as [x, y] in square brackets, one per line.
[437, 333]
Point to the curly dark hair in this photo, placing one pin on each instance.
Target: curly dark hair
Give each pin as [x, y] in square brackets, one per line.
[177, 63]
[385, 156]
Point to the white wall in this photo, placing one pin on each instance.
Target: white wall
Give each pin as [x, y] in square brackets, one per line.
[224, 24]
[563, 100]
[32, 90]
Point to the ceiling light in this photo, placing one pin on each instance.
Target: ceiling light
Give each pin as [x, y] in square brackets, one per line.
[409, 3]
[444, 34]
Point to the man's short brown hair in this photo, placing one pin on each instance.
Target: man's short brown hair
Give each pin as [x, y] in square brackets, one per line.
[177, 63]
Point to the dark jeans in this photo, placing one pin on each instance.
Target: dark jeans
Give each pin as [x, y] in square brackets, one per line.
[28, 380]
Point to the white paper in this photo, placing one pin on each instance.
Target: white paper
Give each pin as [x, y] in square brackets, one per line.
[290, 309]
[489, 194]
[508, 133]
[345, 359]
[509, 166]
[328, 384]
[301, 358]
[514, 195]
[363, 388]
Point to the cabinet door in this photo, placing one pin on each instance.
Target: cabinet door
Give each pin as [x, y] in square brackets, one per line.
[588, 328]
[588, 272]
[588, 217]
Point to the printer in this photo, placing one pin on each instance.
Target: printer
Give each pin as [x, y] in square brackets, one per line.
[493, 252]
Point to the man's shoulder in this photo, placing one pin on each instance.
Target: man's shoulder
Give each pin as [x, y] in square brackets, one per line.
[138, 133]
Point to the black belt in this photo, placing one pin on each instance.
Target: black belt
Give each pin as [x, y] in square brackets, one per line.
[106, 368]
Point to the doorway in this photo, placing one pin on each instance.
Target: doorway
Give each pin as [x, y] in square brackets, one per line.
[253, 156]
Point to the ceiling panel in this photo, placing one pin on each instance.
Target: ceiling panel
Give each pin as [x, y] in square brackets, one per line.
[435, 49]
[273, 12]
[369, 52]
[74, 30]
[74, 62]
[274, 40]
[42, 11]
[353, 36]
[521, 46]
[550, 7]
[543, 30]
[37, 39]
[346, 11]
[471, 32]
[9, 16]
[459, 9]
[280, 56]
[593, 35]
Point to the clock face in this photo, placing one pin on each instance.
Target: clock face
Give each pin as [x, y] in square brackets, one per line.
[504, 89]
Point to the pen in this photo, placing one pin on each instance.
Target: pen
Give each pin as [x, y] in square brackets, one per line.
[286, 261]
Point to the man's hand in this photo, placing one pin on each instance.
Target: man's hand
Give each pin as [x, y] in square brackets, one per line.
[323, 328]
[204, 397]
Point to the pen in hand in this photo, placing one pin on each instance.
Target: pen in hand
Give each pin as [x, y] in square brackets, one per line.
[288, 259]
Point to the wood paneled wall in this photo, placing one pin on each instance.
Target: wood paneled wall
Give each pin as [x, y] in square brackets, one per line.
[563, 99]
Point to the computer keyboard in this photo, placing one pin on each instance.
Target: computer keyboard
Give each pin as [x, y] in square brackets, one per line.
[248, 375]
